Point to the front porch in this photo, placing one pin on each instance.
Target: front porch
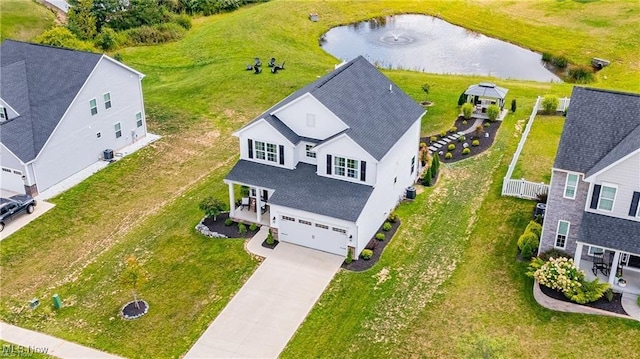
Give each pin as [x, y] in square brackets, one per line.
[245, 215]
[606, 264]
[251, 205]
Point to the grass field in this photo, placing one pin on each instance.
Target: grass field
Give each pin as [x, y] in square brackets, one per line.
[447, 282]
[23, 19]
[539, 151]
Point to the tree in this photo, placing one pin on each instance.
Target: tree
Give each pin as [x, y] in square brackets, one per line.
[133, 276]
[462, 99]
[81, 20]
[513, 105]
[428, 176]
[426, 88]
[212, 207]
[62, 37]
[435, 163]
[107, 39]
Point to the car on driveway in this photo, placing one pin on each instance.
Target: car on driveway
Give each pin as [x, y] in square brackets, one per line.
[11, 207]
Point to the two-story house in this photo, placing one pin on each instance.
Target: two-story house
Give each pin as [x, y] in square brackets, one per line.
[592, 209]
[328, 164]
[60, 110]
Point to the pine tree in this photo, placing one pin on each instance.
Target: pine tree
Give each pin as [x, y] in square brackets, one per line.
[82, 22]
[435, 164]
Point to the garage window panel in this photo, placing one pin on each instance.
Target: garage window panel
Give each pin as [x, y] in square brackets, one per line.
[302, 221]
[339, 230]
[320, 225]
[287, 218]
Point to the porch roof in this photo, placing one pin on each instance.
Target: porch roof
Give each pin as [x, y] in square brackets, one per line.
[610, 232]
[303, 189]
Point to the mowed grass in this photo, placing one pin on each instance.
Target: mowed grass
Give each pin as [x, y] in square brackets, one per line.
[539, 151]
[23, 19]
[197, 93]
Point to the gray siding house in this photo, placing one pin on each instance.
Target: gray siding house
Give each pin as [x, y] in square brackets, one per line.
[592, 209]
[60, 110]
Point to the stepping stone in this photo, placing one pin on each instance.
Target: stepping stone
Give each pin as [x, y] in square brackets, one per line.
[452, 138]
[455, 135]
[443, 142]
[437, 145]
[433, 148]
[460, 133]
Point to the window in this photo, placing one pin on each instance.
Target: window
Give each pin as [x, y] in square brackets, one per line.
[570, 186]
[348, 167]
[260, 154]
[287, 218]
[413, 164]
[107, 100]
[339, 230]
[352, 168]
[304, 222]
[311, 120]
[607, 197]
[272, 152]
[94, 106]
[339, 163]
[595, 251]
[322, 226]
[561, 234]
[266, 151]
[98, 134]
[139, 119]
[310, 153]
[2, 114]
[118, 130]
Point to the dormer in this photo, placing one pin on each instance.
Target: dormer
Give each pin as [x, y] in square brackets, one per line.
[7, 112]
[308, 117]
[261, 142]
[342, 158]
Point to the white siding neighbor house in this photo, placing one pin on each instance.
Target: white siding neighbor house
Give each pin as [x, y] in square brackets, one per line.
[592, 208]
[327, 165]
[60, 110]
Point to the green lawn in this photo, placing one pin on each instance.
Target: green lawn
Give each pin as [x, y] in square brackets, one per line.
[448, 279]
[539, 151]
[23, 19]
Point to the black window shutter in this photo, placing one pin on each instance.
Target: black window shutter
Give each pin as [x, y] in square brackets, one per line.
[250, 148]
[328, 164]
[281, 154]
[634, 204]
[595, 197]
[363, 171]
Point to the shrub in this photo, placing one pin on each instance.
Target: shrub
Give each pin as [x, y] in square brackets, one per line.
[462, 138]
[560, 274]
[546, 57]
[475, 143]
[453, 129]
[553, 253]
[393, 217]
[451, 147]
[435, 163]
[467, 110]
[466, 151]
[386, 226]
[493, 112]
[253, 227]
[589, 291]
[550, 104]
[270, 239]
[464, 122]
[426, 180]
[183, 20]
[366, 254]
[462, 99]
[62, 37]
[349, 258]
[423, 146]
[380, 236]
[212, 207]
[433, 139]
[443, 134]
[609, 294]
[155, 34]
[534, 227]
[487, 124]
[559, 61]
[581, 75]
[242, 228]
[228, 222]
[108, 39]
[528, 243]
[448, 156]
[513, 105]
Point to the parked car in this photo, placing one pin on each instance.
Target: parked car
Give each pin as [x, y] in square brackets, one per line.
[13, 206]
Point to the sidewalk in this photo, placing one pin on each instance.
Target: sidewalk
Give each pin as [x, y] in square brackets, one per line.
[27, 341]
[254, 245]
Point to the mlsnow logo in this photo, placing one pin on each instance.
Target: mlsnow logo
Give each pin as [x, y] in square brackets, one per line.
[12, 350]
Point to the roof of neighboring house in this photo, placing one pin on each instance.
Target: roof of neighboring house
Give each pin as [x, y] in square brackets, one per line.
[360, 96]
[302, 189]
[601, 128]
[40, 83]
[487, 89]
[610, 232]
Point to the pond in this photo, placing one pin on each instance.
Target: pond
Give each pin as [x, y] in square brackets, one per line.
[428, 44]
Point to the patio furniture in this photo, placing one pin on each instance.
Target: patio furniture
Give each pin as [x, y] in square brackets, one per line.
[257, 62]
[599, 264]
[244, 203]
[263, 209]
[272, 62]
[257, 69]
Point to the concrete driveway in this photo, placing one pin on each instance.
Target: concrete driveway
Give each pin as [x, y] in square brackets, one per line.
[262, 317]
[22, 220]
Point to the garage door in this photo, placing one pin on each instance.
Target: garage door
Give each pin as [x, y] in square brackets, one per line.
[321, 236]
[11, 180]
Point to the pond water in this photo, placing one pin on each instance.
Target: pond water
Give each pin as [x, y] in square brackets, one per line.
[428, 44]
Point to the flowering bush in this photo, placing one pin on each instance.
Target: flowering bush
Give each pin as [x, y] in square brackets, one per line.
[560, 274]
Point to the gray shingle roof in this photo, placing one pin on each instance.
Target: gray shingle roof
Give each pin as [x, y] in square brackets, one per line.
[610, 232]
[359, 95]
[598, 129]
[39, 82]
[487, 89]
[304, 190]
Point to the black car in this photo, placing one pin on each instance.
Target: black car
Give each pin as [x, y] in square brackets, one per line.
[14, 205]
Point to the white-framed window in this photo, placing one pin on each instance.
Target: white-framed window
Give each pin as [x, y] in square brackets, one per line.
[266, 151]
[561, 234]
[93, 105]
[413, 164]
[98, 134]
[311, 120]
[310, 153]
[118, 130]
[287, 218]
[107, 100]
[346, 167]
[595, 251]
[570, 186]
[607, 197]
[272, 152]
[139, 119]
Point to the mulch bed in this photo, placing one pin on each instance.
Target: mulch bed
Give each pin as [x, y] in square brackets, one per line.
[614, 306]
[229, 231]
[129, 311]
[485, 142]
[377, 246]
[270, 246]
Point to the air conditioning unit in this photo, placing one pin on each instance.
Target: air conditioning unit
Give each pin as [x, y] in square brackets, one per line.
[107, 154]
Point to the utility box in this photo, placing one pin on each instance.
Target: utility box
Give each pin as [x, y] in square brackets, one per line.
[411, 193]
[34, 303]
[57, 302]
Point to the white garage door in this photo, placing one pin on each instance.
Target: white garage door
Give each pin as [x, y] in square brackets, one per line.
[11, 180]
[324, 237]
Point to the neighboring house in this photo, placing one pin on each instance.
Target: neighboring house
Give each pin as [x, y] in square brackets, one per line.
[592, 208]
[328, 164]
[60, 110]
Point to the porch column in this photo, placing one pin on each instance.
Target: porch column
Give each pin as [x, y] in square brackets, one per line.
[232, 201]
[614, 267]
[578, 255]
[258, 205]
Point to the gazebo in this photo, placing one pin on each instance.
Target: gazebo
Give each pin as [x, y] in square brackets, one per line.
[485, 94]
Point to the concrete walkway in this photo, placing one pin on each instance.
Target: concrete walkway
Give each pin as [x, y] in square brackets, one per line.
[254, 245]
[25, 340]
[562, 306]
[262, 317]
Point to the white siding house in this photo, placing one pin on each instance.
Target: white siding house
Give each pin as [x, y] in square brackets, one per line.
[327, 165]
[71, 106]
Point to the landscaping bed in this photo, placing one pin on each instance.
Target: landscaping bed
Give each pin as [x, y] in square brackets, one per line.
[231, 231]
[377, 246]
[614, 306]
[484, 142]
